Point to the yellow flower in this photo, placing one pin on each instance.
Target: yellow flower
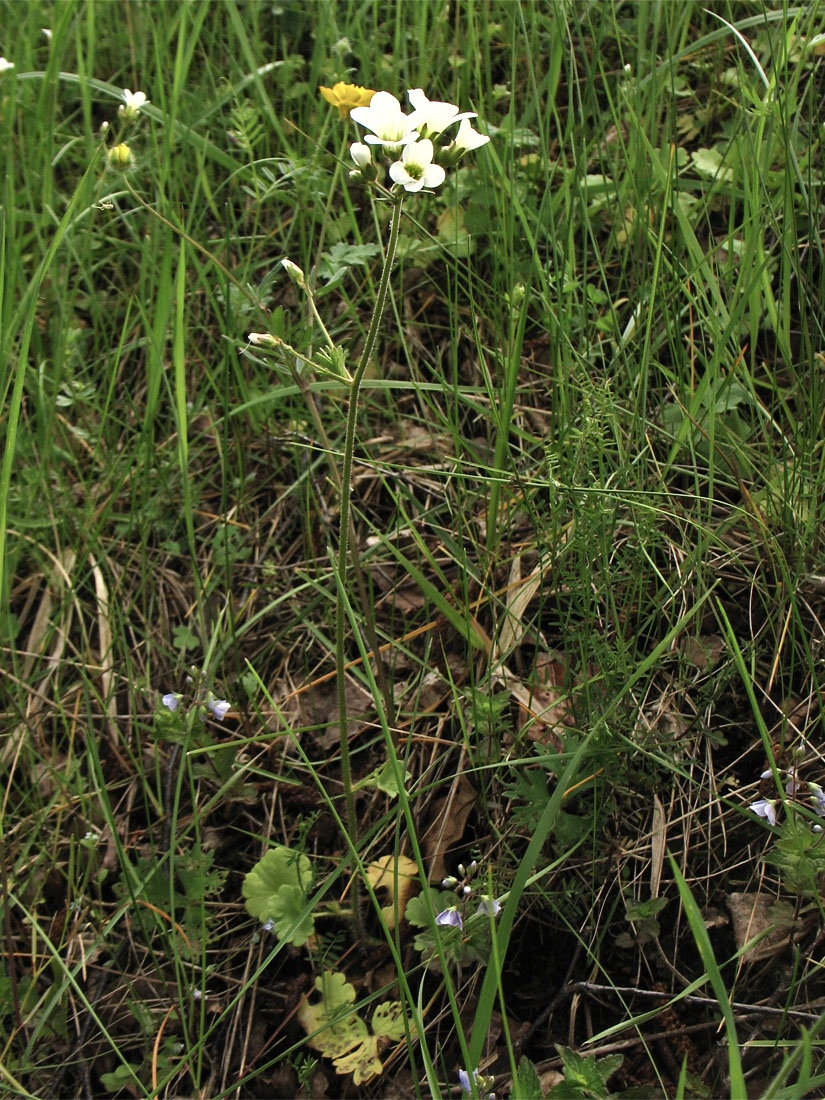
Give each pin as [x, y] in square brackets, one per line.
[346, 96]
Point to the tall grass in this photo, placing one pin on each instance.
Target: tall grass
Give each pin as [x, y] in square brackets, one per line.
[587, 497]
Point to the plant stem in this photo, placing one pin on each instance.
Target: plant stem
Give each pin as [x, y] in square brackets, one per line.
[344, 547]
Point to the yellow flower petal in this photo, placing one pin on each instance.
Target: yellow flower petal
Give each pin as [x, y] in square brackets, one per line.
[346, 96]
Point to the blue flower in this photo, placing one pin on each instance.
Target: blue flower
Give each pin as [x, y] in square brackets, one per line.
[451, 917]
[487, 905]
[171, 700]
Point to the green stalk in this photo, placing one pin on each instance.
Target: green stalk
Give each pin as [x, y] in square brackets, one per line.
[343, 542]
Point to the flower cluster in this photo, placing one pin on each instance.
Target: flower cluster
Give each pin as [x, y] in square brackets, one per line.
[452, 916]
[414, 143]
[798, 791]
[217, 707]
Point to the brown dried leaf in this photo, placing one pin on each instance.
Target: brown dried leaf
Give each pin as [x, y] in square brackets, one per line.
[447, 822]
[381, 873]
[753, 914]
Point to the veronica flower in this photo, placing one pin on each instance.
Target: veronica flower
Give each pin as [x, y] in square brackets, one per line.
[450, 917]
[818, 799]
[430, 117]
[171, 700]
[132, 102]
[416, 170]
[765, 807]
[346, 96]
[219, 707]
[390, 126]
[482, 1083]
[489, 905]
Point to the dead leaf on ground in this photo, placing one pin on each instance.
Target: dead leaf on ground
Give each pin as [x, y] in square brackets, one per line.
[319, 707]
[382, 874]
[753, 914]
[447, 822]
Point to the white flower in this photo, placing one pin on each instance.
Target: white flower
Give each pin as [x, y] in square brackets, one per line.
[262, 339]
[5, 65]
[132, 102]
[467, 139]
[430, 117]
[765, 807]
[390, 126]
[47, 32]
[361, 154]
[416, 170]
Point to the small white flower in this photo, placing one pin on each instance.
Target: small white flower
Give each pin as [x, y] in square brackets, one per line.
[467, 139]
[47, 32]
[172, 700]
[132, 102]
[5, 66]
[361, 154]
[390, 126]
[765, 807]
[430, 117]
[416, 170]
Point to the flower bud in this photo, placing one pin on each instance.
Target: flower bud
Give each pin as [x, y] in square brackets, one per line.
[120, 156]
[295, 273]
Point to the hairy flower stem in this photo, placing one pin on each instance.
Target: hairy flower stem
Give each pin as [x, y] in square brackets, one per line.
[344, 549]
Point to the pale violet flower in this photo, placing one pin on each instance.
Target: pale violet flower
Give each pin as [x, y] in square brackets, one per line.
[219, 707]
[450, 917]
[171, 700]
[818, 800]
[489, 905]
[132, 103]
[765, 807]
[467, 139]
[5, 66]
[430, 117]
[482, 1083]
[390, 126]
[416, 170]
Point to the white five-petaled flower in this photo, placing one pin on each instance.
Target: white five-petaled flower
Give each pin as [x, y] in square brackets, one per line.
[430, 117]
[765, 807]
[467, 139]
[132, 102]
[389, 124]
[416, 170]
[5, 65]
[450, 917]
